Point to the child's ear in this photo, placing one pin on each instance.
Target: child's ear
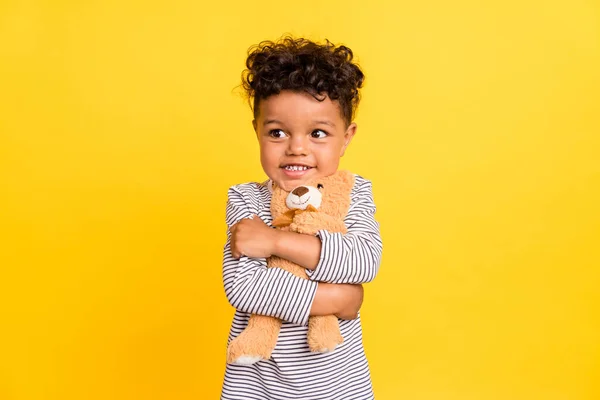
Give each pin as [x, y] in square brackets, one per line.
[350, 132]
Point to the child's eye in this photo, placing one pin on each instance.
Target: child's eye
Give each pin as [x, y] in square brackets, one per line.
[318, 134]
[276, 133]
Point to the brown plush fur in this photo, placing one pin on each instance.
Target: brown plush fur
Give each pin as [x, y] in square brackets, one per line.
[259, 338]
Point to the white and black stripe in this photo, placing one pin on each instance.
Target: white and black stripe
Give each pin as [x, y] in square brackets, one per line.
[293, 372]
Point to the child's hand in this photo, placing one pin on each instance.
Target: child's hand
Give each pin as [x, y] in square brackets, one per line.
[351, 301]
[341, 300]
[252, 238]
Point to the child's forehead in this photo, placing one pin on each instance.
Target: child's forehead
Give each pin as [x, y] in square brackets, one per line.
[299, 105]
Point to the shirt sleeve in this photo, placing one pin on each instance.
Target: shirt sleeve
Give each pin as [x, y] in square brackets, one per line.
[253, 288]
[353, 257]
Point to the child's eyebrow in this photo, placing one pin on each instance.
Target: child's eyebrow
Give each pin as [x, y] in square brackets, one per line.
[276, 121]
[325, 123]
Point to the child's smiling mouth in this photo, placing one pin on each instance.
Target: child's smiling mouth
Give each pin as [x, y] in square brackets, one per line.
[295, 170]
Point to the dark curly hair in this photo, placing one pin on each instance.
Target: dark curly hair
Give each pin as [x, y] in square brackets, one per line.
[302, 65]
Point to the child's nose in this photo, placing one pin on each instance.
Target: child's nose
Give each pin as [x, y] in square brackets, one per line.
[298, 145]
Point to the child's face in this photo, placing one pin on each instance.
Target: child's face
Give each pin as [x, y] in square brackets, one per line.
[300, 137]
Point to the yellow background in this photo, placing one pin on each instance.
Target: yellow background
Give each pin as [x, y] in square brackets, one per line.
[121, 130]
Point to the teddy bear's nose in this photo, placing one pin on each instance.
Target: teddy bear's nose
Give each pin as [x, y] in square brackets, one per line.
[300, 191]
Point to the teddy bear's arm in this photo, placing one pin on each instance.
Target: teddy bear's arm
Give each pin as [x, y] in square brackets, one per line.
[312, 222]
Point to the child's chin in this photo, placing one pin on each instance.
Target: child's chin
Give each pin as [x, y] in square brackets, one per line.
[289, 185]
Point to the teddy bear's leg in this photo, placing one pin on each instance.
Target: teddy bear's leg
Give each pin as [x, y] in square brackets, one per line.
[324, 333]
[256, 342]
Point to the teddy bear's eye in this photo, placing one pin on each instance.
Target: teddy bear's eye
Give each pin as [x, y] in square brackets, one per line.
[319, 186]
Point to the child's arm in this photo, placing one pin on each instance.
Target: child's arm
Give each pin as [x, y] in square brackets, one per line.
[350, 258]
[341, 300]
[252, 287]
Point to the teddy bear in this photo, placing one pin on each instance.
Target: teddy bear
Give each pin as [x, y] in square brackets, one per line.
[321, 204]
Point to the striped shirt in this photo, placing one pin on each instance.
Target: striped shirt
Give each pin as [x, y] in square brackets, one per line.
[293, 371]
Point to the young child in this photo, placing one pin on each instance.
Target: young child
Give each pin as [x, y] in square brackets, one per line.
[304, 97]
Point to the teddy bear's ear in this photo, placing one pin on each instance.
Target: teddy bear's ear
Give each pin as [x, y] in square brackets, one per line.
[346, 175]
[343, 178]
[278, 197]
[337, 192]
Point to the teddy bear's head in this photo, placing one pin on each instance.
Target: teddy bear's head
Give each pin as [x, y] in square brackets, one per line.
[329, 195]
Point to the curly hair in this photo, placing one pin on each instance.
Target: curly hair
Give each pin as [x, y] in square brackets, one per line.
[302, 65]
